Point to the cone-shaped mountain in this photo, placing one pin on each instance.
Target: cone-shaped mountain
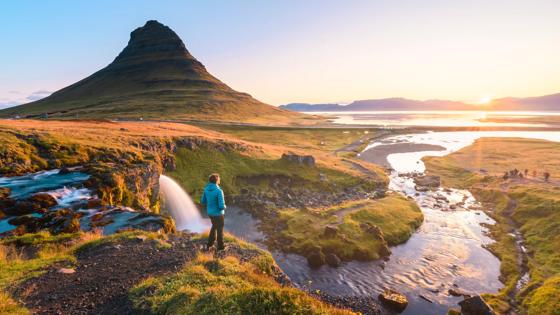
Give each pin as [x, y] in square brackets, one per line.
[154, 77]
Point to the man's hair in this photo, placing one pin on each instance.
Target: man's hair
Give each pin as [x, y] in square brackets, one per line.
[214, 178]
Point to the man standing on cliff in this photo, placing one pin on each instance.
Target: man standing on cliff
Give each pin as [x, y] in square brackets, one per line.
[213, 199]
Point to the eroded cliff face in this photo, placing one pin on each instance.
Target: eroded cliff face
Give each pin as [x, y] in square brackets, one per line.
[125, 177]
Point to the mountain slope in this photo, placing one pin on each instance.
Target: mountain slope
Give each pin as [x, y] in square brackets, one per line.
[380, 104]
[543, 103]
[154, 77]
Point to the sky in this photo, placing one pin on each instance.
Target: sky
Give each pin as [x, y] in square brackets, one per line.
[299, 51]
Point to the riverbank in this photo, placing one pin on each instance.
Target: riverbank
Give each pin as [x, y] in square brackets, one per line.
[525, 204]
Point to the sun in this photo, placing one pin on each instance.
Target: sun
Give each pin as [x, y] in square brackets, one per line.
[485, 100]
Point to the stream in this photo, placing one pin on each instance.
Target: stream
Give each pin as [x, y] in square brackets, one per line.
[446, 252]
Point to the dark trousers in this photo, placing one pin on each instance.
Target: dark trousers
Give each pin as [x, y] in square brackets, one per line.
[217, 228]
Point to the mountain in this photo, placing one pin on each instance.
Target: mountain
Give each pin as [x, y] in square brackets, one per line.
[154, 77]
[380, 104]
[306, 107]
[539, 103]
[545, 103]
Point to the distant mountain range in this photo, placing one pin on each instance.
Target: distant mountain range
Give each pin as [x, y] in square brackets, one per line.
[154, 77]
[540, 103]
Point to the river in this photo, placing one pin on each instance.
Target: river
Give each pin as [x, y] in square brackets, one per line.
[446, 252]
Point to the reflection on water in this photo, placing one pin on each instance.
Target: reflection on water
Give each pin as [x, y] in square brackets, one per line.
[436, 118]
[446, 252]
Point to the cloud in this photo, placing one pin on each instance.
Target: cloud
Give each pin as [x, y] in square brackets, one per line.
[14, 98]
[37, 95]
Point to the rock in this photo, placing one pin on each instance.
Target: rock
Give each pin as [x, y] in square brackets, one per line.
[66, 271]
[22, 220]
[456, 292]
[427, 181]
[475, 306]
[43, 200]
[5, 192]
[316, 259]
[93, 203]
[373, 230]
[362, 255]
[332, 260]
[330, 231]
[394, 300]
[307, 160]
[64, 170]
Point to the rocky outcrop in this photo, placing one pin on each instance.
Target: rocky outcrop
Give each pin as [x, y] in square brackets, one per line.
[393, 300]
[332, 260]
[330, 231]
[306, 160]
[475, 306]
[426, 182]
[377, 234]
[316, 258]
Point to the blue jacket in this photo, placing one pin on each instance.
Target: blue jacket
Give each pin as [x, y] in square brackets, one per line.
[213, 199]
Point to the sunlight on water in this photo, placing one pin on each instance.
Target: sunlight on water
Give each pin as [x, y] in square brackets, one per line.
[181, 207]
[437, 118]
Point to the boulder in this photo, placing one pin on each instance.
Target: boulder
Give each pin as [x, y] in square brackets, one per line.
[43, 200]
[393, 300]
[427, 181]
[316, 259]
[64, 171]
[475, 306]
[331, 231]
[332, 260]
[307, 160]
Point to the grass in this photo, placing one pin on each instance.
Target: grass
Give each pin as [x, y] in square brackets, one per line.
[239, 170]
[320, 139]
[225, 286]
[536, 211]
[396, 216]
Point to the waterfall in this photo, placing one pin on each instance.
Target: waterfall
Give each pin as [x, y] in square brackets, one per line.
[181, 207]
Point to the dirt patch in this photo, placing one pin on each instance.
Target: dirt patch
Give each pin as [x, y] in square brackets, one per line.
[103, 276]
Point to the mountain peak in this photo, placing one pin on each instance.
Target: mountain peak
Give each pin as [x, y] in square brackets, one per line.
[153, 38]
[154, 77]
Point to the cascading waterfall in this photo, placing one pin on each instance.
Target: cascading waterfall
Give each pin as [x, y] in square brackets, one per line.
[181, 207]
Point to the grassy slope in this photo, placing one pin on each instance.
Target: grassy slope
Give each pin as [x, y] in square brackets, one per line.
[243, 287]
[395, 215]
[225, 286]
[537, 211]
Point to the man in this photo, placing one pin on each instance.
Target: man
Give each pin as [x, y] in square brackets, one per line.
[213, 199]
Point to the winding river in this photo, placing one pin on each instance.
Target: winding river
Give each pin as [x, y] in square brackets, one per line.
[446, 252]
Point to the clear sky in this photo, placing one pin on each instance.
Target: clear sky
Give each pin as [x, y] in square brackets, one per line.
[299, 51]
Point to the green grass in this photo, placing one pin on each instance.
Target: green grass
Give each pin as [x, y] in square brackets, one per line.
[237, 170]
[397, 217]
[224, 286]
[537, 212]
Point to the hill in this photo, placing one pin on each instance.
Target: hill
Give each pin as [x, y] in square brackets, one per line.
[541, 103]
[154, 77]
